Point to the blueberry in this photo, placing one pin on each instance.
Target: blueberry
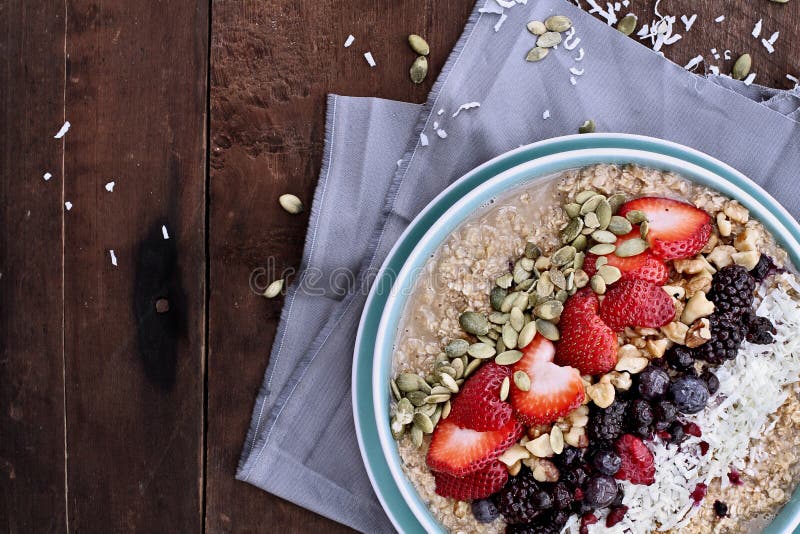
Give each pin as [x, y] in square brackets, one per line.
[562, 496]
[763, 268]
[607, 462]
[641, 413]
[689, 394]
[559, 518]
[575, 477]
[541, 500]
[676, 432]
[570, 456]
[680, 358]
[653, 383]
[484, 510]
[618, 499]
[664, 413]
[601, 491]
[711, 380]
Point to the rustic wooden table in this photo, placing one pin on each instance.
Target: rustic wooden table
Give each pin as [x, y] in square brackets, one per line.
[116, 416]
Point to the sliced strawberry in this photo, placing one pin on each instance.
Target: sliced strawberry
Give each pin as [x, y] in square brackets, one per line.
[477, 485]
[644, 266]
[636, 303]
[460, 451]
[478, 405]
[677, 229]
[555, 391]
[587, 343]
[638, 464]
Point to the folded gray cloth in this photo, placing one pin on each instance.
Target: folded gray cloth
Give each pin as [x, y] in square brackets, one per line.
[377, 175]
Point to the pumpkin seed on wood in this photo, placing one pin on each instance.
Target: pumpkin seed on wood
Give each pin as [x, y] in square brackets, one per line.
[609, 273]
[509, 357]
[547, 329]
[417, 398]
[549, 310]
[627, 24]
[456, 348]
[532, 251]
[604, 236]
[505, 386]
[572, 209]
[473, 364]
[416, 436]
[636, 216]
[536, 27]
[571, 230]
[558, 23]
[585, 195]
[616, 200]
[449, 382]
[446, 409]
[395, 390]
[509, 336]
[602, 248]
[522, 380]
[481, 351]
[563, 256]
[291, 203]
[603, 212]
[536, 53]
[548, 40]
[517, 319]
[619, 225]
[598, 284]
[474, 323]
[419, 45]
[587, 127]
[631, 247]
[591, 204]
[580, 243]
[419, 69]
[742, 67]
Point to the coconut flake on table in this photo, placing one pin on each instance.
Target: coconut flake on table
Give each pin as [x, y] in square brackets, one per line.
[164, 231]
[757, 28]
[64, 129]
[607, 14]
[570, 41]
[573, 80]
[464, 107]
[506, 4]
[793, 79]
[47, 176]
[750, 78]
[441, 133]
[68, 205]
[369, 58]
[110, 186]
[113, 257]
[694, 62]
[500, 22]
[720, 18]
[688, 22]
[492, 8]
[727, 54]
[423, 139]
[440, 112]
[435, 125]
[580, 55]
[576, 71]
[768, 46]
[546, 114]
[349, 41]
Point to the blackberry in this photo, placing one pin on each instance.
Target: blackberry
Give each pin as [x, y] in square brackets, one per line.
[665, 414]
[514, 500]
[732, 290]
[619, 498]
[562, 496]
[759, 330]
[575, 477]
[727, 334]
[601, 491]
[641, 413]
[607, 424]
[559, 518]
[653, 383]
[680, 358]
[763, 268]
[484, 510]
[689, 394]
[607, 462]
[569, 457]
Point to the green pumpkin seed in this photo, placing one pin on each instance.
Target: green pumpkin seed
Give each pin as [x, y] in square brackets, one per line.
[505, 386]
[526, 284]
[563, 256]
[428, 409]
[547, 329]
[423, 422]
[544, 286]
[548, 40]
[437, 414]
[504, 281]
[509, 357]
[508, 302]
[591, 220]
[536, 27]
[532, 251]
[498, 318]
[585, 195]
[458, 365]
[274, 289]
[603, 213]
[587, 127]
[509, 336]
[496, 297]
[416, 436]
[580, 243]
[615, 201]
[549, 310]
[619, 225]
[438, 397]
[291, 203]
[449, 382]
[572, 209]
[527, 264]
[609, 273]
[481, 351]
[542, 263]
[439, 390]
[627, 24]
[474, 323]
[500, 346]
[456, 348]
[517, 319]
[631, 247]
[599, 262]
[558, 278]
[598, 284]
[562, 295]
[473, 364]
[571, 230]
[520, 274]
[419, 69]
[526, 335]
[442, 359]
[591, 204]
[644, 229]
[404, 411]
[570, 281]
[417, 398]
[558, 23]
[536, 53]
[395, 389]
[419, 45]
[636, 216]
[407, 382]
[579, 259]
[520, 302]
[522, 380]
[443, 370]
[446, 409]
[602, 248]
[431, 379]
[398, 429]
[742, 67]
[581, 278]
[604, 236]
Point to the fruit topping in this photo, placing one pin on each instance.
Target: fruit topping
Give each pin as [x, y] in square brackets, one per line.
[586, 520]
[460, 451]
[680, 358]
[636, 303]
[638, 465]
[763, 268]
[699, 493]
[689, 393]
[727, 334]
[607, 424]
[676, 230]
[616, 515]
[732, 291]
[607, 462]
[478, 405]
[484, 510]
[587, 343]
[759, 330]
[721, 509]
[477, 485]
[644, 266]
[653, 383]
[522, 499]
[601, 490]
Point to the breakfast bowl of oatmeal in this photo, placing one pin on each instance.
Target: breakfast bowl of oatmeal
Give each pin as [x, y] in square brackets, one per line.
[591, 334]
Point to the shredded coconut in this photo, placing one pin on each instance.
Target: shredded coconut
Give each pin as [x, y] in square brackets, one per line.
[546, 114]
[423, 139]
[110, 186]
[369, 58]
[688, 22]
[750, 78]
[47, 176]
[349, 41]
[570, 41]
[757, 28]
[573, 81]
[500, 22]
[793, 79]
[64, 129]
[720, 18]
[113, 257]
[164, 231]
[68, 205]
[576, 71]
[435, 125]
[607, 14]
[440, 112]
[468, 105]
[441, 133]
[580, 55]
[693, 63]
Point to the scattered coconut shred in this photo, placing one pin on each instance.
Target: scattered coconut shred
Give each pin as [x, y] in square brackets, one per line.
[752, 388]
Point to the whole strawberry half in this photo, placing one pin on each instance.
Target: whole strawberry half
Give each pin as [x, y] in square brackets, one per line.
[460, 451]
[644, 266]
[478, 405]
[477, 485]
[677, 229]
[587, 343]
[555, 390]
[636, 303]
[638, 464]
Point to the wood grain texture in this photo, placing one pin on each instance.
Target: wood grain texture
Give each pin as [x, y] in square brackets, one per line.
[136, 97]
[32, 453]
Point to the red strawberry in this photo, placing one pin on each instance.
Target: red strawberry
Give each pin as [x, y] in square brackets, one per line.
[636, 303]
[677, 229]
[477, 485]
[587, 343]
[460, 451]
[478, 406]
[555, 391]
[644, 266]
[638, 465]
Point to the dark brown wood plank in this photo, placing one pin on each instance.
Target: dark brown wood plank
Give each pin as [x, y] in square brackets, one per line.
[31, 364]
[136, 97]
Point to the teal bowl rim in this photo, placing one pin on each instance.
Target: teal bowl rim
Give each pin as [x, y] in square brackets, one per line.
[403, 505]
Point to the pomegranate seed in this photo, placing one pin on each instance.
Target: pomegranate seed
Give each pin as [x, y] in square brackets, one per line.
[586, 520]
[699, 493]
[735, 477]
[692, 429]
[703, 448]
[615, 515]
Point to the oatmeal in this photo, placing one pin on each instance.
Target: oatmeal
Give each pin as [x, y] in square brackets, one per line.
[537, 298]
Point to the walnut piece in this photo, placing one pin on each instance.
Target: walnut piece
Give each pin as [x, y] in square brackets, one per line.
[698, 333]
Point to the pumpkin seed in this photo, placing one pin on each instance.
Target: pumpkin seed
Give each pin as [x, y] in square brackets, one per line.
[558, 23]
[563, 256]
[631, 247]
[644, 229]
[604, 236]
[527, 284]
[509, 357]
[536, 53]
[585, 195]
[527, 263]
[619, 225]
[500, 346]
[549, 310]
[562, 295]
[419, 45]
[548, 39]
[581, 278]
[598, 284]
[438, 397]
[274, 289]
[407, 382]
[508, 302]
[398, 429]
[291, 203]
[558, 278]
[504, 281]
[603, 213]
[419, 69]
[446, 409]
[509, 336]
[474, 364]
[404, 411]
[456, 348]
[547, 329]
[417, 398]
[423, 422]
[517, 319]
[578, 261]
[437, 414]
[444, 370]
[439, 390]
[600, 261]
[570, 281]
[449, 382]
[474, 323]
[542, 263]
[572, 209]
[428, 409]
[587, 127]
[496, 297]
[505, 386]
[571, 230]
[498, 318]
[616, 200]
[544, 286]
[395, 390]
[636, 216]
[602, 248]
[591, 220]
[522, 380]
[536, 27]
[626, 26]
[580, 243]
[520, 302]
[556, 440]
[431, 379]
[520, 274]
[526, 335]
[416, 436]
[442, 359]
[591, 204]
[742, 67]
[609, 273]
[481, 351]
[458, 365]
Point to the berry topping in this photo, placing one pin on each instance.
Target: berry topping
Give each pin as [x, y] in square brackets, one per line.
[478, 405]
[562, 496]
[727, 334]
[601, 490]
[516, 500]
[680, 358]
[554, 390]
[606, 462]
[636, 303]
[732, 291]
[759, 330]
[721, 509]
[607, 424]
[665, 414]
[616, 515]
[692, 429]
[586, 520]
[644, 266]
[763, 268]
[484, 510]
[711, 380]
[699, 493]
[676, 229]
[676, 432]
[689, 393]
[641, 414]
[587, 343]
[477, 485]
[638, 465]
[653, 383]
[460, 451]
[735, 477]
[570, 456]
[576, 477]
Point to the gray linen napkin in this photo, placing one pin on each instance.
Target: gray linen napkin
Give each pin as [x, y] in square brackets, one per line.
[377, 176]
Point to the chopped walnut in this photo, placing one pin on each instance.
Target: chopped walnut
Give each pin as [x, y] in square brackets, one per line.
[676, 332]
[698, 306]
[721, 256]
[698, 333]
[736, 212]
[724, 225]
[748, 259]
